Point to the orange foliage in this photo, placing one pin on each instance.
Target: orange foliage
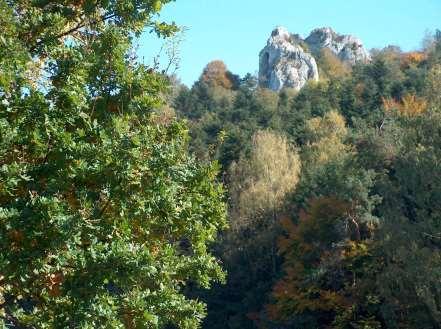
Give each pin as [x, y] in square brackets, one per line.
[290, 229]
[16, 237]
[320, 263]
[216, 73]
[359, 89]
[72, 200]
[54, 282]
[410, 105]
[113, 106]
[306, 246]
[412, 58]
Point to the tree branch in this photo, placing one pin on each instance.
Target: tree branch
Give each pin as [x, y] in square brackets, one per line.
[80, 25]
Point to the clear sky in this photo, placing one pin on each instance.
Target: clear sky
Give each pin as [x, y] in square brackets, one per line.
[236, 30]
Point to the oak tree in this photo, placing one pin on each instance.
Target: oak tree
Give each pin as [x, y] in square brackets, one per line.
[104, 216]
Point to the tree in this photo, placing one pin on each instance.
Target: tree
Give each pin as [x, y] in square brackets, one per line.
[359, 229]
[434, 86]
[413, 58]
[330, 65]
[325, 136]
[327, 238]
[258, 187]
[409, 237]
[104, 217]
[217, 74]
[308, 247]
[434, 48]
[409, 105]
[260, 183]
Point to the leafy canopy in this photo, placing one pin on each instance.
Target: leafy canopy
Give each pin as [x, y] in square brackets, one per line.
[104, 217]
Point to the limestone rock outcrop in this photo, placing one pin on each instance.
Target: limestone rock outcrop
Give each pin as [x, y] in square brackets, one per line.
[284, 63]
[347, 47]
[287, 61]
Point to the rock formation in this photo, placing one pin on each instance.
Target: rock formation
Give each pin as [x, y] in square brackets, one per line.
[288, 61]
[284, 63]
[347, 47]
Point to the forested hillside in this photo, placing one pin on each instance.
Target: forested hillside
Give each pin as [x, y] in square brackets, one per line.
[129, 200]
[333, 191]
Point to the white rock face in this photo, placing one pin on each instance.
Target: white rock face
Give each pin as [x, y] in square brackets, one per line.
[347, 47]
[284, 63]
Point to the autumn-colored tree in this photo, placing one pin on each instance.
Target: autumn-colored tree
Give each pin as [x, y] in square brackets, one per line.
[260, 183]
[327, 244]
[412, 58]
[330, 65]
[217, 74]
[322, 266]
[325, 137]
[433, 86]
[258, 186]
[367, 139]
[409, 105]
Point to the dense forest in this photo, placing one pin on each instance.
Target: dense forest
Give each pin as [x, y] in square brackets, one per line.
[129, 200]
[333, 193]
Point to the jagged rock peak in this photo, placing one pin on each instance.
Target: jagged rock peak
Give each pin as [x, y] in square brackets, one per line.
[288, 60]
[284, 63]
[280, 32]
[347, 47]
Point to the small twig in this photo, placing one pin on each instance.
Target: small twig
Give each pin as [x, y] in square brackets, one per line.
[381, 125]
[357, 226]
[49, 148]
[432, 236]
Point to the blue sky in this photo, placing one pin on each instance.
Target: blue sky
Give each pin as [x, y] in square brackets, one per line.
[236, 30]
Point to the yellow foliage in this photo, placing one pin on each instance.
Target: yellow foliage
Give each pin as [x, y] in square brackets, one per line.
[412, 58]
[268, 98]
[34, 72]
[260, 183]
[331, 124]
[325, 137]
[331, 65]
[413, 105]
[433, 86]
[410, 105]
[355, 249]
